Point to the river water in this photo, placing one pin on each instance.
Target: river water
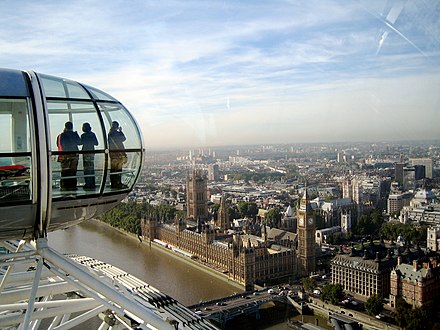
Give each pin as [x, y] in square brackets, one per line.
[170, 275]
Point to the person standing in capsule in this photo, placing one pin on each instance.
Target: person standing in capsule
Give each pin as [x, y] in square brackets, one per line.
[68, 140]
[118, 157]
[88, 141]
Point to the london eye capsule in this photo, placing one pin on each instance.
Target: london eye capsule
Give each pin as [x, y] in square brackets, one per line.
[68, 152]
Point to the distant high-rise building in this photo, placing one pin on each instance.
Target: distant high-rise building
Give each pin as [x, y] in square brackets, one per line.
[398, 167]
[409, 182]
[419, 172]
[197, 195]
[213, 172]
[427, 162]
[340, 157]
[396, 202]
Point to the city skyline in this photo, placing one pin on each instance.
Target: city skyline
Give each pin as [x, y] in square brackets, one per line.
[224, 73]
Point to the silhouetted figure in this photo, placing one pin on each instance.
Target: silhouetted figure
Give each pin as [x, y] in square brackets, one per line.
[118, 157]
[88, 141]
[68, 140]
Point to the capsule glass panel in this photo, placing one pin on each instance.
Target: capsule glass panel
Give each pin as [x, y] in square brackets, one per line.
[94, 144]
[124, 143]
[115, 112]
[75, 161]
[15, 151]
[62, 88]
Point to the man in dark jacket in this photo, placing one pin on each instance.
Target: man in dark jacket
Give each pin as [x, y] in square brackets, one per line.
[68, 140]
[88, 141]
[118, 157]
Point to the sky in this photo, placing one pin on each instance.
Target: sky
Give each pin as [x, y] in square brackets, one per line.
[209, 73]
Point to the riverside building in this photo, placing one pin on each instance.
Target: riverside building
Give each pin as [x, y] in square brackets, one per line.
[243, 258]
[363, 272]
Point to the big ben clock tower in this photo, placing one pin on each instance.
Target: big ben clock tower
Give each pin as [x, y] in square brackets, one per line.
[306, 237]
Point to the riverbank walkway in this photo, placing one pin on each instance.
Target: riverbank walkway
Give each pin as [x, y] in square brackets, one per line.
[367, 321]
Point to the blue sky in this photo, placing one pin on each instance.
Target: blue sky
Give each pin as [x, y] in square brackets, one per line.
[206, 73]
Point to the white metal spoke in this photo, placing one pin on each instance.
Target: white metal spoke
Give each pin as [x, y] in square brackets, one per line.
[30, 308]
[10, 267]
[44, 288]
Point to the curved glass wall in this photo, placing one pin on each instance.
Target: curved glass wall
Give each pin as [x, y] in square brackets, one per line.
[124, 145]
[95, 144]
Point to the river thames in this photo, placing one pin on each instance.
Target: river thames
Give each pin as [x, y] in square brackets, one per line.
[169, 274]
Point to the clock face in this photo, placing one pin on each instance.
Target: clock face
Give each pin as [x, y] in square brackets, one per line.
[301, 221]
[310, 221]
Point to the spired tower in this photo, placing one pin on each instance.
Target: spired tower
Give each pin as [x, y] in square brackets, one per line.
[222, 216]
[347, 189]
[197, 191]
[306, 238]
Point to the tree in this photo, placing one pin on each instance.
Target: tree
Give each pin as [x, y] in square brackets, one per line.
[247, 209]
[127, 216]
[273, 216]
[369, 224]
[180, 214]
[332, 293]
[401, 312]
[391, 230]
[363, 226]
[374, 304]
[415, 318]
[308, 283]
[233, 213]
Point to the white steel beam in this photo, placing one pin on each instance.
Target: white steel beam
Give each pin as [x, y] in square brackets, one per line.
[146, 315]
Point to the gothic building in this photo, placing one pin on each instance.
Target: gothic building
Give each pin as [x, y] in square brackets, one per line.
[222, 221]
[247, 259]
[306, 238]
[196, 190]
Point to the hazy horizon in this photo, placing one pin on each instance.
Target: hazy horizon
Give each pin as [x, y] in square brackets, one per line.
[401, 143]
[197, 73]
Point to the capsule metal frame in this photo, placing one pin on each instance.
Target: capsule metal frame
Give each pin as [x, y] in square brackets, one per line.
[36, 106]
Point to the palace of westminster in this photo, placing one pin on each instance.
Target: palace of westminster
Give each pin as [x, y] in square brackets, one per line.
[280, 255]
[245, 258]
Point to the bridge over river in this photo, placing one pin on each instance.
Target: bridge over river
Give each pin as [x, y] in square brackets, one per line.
[249, 303]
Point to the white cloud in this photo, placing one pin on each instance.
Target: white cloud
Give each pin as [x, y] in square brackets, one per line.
[175, 64]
